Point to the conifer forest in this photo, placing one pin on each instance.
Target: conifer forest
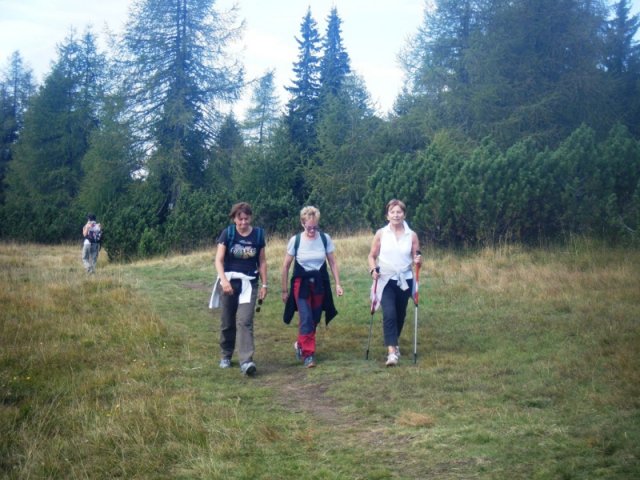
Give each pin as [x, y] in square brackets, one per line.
[518, 121]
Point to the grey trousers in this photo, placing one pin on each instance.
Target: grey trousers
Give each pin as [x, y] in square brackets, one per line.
[236, 323]
[90, 253]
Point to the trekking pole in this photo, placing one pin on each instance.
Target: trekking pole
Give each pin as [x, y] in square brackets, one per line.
[415, 321]
[373, 310]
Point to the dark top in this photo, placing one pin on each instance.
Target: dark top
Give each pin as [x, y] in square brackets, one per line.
[243, 255]
[321, 280]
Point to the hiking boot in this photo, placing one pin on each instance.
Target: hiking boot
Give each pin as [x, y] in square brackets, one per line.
[225, 363]
[392, 360]
[248, 368]
[310, 362]
[298, 351]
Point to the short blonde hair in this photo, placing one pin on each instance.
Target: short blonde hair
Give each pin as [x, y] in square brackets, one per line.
[309, 213]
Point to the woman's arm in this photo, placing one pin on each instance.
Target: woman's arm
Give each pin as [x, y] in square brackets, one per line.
[336, 273]
[288, 259]
[373, 255]
[224, 282]
[263, 274]
[415, 249]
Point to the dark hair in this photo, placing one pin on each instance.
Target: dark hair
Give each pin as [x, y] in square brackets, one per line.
[241, 207]
[91, 217]
[395, 203]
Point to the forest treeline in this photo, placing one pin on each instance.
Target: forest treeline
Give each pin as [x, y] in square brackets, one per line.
[519, 120]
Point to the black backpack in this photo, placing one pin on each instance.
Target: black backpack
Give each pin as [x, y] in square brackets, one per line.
[95, 233]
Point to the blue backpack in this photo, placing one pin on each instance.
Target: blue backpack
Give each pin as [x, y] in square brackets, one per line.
[231, 234]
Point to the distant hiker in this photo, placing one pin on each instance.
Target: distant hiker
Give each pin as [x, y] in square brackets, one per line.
[240, 260]
[395, 249]
[92, 234]
[310, 292]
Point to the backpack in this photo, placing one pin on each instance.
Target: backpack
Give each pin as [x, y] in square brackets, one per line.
[231, 233]
[95, 233]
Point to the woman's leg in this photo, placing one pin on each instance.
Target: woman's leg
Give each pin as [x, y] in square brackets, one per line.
[309, 313]
[244, 327]
[402, 300]
[388, 303]
[228, 309]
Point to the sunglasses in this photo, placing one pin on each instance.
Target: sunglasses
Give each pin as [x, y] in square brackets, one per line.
[259, 305]
[312, 228]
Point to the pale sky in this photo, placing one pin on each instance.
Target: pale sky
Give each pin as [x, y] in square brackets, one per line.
[373, 32]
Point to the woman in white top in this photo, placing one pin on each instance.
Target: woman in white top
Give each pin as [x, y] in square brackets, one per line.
[394, 251]
[310, 292]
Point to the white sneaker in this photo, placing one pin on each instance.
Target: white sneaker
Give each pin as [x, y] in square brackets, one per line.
[398, 352]
[392, 360]
[225, 363]
[248, 368]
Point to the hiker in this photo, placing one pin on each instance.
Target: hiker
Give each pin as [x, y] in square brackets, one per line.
[92, 234]
[310, 292]
[240, 260]
[394, 250]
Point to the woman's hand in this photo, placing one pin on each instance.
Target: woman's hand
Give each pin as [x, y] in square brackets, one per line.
[339, 290]
[262, 293]
[227, 289]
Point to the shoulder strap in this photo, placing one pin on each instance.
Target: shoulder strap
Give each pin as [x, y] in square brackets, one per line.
[231, 233]
[297, 243]
[260, 235]
[324, 240]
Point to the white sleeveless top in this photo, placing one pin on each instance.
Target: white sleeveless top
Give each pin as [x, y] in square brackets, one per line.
[395, 253]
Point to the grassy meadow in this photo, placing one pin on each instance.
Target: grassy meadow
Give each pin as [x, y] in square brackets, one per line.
[528, 368]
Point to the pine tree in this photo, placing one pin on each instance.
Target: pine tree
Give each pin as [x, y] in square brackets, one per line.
[178, 74]
[302, 108]
[16, 88]
[335, 63]
[622, 63]
[44, 176]
[263, 113]
[227, 151]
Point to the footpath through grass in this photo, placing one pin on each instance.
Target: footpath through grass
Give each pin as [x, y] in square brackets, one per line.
[528, 367]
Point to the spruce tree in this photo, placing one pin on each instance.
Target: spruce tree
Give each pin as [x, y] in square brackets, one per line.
[302, 108]
[335, 62]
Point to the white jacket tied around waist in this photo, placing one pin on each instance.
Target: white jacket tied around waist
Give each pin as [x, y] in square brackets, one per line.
[245, 295]
[395, 261]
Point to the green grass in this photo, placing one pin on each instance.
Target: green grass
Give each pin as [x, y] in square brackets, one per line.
[528, 367]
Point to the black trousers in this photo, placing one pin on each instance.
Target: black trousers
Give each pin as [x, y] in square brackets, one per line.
[394, 302]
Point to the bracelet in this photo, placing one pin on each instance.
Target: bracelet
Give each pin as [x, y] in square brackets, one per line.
[264, 285]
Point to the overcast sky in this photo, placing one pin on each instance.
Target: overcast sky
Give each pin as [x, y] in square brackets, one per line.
[373, 32]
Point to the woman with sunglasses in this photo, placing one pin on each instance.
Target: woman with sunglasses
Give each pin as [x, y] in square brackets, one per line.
[310, 287]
